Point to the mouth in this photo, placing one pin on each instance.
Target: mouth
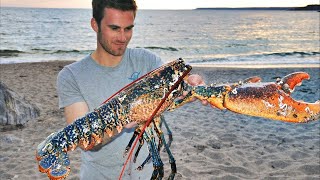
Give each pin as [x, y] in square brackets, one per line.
[120, 43]
[120, 46]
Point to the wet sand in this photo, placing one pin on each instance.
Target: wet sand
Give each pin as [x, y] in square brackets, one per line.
[208, 143]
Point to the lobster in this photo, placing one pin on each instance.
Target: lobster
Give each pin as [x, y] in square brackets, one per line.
[144, 100]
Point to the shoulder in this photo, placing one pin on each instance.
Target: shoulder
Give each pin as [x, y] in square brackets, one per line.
[140, 51]
[69, 71]
[75, 67]
[79, 65]
[144, 56]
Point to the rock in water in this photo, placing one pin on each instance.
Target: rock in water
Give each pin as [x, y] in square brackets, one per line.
[14, 109]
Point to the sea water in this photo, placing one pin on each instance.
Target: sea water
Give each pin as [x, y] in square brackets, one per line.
[207, 37]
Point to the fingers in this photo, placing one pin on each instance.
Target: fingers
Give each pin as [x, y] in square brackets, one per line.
[184, 93]
[131, 125]
[204, 102]
[195, 80]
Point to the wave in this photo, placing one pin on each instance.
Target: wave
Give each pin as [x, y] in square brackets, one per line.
[38, 49]
[74, 51]
[66, 51]
[295, 57]
[10, 53]
[7, 53]
[161, 48]
[47, 51]
[294, 53]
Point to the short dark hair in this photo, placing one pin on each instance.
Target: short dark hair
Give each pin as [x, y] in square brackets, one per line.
[99, 5]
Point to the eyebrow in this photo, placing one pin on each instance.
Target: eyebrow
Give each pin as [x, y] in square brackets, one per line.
[116, 26]
[130, 27]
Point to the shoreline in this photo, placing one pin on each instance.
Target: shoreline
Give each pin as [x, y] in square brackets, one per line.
[199, 65]
[256, 66]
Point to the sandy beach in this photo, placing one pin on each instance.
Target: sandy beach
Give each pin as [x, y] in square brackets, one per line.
[208, 143]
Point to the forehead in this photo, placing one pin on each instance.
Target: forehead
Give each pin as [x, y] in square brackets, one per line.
[118, 17]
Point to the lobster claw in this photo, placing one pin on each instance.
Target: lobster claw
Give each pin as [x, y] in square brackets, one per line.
[290, 81]
[272, 100]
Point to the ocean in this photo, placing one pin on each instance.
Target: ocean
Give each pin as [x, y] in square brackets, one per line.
[207, 37]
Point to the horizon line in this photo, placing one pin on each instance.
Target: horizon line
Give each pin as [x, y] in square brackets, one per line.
[167, 9]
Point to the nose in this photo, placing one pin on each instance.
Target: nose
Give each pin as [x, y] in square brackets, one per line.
[122, 36]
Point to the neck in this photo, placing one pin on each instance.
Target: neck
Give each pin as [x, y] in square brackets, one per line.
[105, 59]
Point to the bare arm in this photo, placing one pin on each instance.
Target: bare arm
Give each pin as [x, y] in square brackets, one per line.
[74, 111]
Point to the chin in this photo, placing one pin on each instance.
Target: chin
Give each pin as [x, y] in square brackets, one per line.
[119, 52]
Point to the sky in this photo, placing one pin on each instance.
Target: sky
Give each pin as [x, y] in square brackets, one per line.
[162, 4]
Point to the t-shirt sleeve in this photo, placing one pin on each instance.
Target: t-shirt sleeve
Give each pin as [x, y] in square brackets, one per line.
[158, 62]
[68, 89]
[154, 60]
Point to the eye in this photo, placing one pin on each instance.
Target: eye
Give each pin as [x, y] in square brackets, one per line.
[113, 27]
[129, 28]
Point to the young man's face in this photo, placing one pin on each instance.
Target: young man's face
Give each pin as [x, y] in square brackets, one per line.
[115, 31]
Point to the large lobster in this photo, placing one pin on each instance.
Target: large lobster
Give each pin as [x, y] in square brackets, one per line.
[144, 100]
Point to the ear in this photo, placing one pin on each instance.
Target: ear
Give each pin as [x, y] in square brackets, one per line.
[94, 25]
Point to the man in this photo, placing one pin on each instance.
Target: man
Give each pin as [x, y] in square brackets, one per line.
[84, 85]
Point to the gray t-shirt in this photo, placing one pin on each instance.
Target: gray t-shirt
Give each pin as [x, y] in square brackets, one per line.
[87, 81]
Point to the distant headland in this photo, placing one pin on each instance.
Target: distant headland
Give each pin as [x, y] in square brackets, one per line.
[312, 7]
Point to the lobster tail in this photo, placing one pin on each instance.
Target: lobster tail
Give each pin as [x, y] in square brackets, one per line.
[56, 166]
[52, 152]
[45, 148]
[60, 169]
[52, 159]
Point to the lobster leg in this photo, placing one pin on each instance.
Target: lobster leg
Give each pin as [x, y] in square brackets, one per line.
[156, 160]
[157, 126]
[141, 143]
[134, 136]
[168, 131]
[144, 162]
[157, 122]
[163, 141]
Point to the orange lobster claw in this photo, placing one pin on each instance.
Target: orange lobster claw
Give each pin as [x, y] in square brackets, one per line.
[273, 100]
[263, 99]
[289, 82]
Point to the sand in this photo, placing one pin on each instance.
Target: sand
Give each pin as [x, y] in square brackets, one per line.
[208, 143]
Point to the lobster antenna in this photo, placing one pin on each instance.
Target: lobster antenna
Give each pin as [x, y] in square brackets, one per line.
[150, 119]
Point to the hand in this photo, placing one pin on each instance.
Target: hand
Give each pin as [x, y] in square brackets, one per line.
[195, 80]
[131, 125]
